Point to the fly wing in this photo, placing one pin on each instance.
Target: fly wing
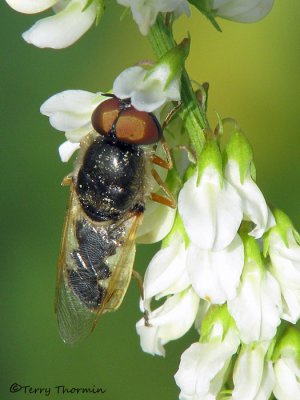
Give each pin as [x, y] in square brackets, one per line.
[94, 271]
[121, 264]
[73, 317]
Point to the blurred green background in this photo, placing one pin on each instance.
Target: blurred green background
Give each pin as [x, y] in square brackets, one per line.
[253, 71]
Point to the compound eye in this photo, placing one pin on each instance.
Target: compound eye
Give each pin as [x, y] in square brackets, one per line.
[137, 127]
[105, 114]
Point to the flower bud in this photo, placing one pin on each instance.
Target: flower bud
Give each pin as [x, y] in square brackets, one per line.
[257, 306]
[282, 245]
[286, 359]
[208, 204]
[239, 171]
[203, 365]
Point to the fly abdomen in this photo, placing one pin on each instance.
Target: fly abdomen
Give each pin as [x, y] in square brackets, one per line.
[84, 284]
[95, 245]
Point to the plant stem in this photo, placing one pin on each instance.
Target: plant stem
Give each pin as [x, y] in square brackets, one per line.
[193, 116]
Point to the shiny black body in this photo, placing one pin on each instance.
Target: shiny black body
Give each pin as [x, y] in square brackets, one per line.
[109, 185]
[111, 179]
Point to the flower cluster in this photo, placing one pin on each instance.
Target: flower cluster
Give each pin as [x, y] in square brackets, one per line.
[74, 17]
[228, 264]
[232, 267]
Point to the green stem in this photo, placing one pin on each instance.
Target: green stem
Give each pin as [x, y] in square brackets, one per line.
[193, 116]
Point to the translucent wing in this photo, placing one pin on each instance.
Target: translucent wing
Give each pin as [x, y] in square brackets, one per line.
[94, 271]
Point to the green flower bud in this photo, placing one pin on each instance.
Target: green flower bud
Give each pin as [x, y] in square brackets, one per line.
[217, 314]
[288, 345]
[239, 150]
[210, 157]
[173, 60]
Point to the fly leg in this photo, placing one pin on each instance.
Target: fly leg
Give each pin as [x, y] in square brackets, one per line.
[139, 281]
[167, 200]
[67, 181]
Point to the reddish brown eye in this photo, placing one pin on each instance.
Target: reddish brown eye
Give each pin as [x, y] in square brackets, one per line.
[105, 114]
[137, 127]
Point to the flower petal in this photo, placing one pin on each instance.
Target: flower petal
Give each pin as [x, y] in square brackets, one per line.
[169, 322]
[211, 214]
[256, 13]
[285, 267]
[30, 6]
[151, 93]
[215, 275]
[125, 83]
[71, 109]
[157, 222]
[145, 12]
[257, 307]
[67, 149]
[243, 11]
[149, 98]
[287, 375]
[63, 29]
[76, 135]
[166, 273]
[147, 90]
[201, 363]
[253, 377]
[253, 203]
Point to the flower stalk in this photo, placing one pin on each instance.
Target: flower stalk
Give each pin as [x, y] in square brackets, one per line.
[194, 117]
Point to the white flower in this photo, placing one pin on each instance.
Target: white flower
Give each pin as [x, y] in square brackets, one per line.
[145, 12]
[147, 91]
[61, 30]
[286, 357]
[239, 171]
[70, 111]
[203, 365]
[285, 267]
[257, 307]
[67, 149]
[168, 322]
[253, 375]
[215, 275]
[287, 378]
[242, 10]
[201, 313]
[157, 223]
[29, 6]
[211, 211]
[167, 272]
[254, 206]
